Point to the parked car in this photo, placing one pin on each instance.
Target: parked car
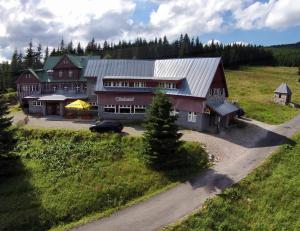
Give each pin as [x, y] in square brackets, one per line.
[107, 126]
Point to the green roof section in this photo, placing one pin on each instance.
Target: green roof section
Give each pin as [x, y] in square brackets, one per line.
[79, 61]
[51, 61]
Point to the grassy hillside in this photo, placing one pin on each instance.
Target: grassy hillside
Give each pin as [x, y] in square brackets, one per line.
[268, 199]
[62, 176]
[253, 88]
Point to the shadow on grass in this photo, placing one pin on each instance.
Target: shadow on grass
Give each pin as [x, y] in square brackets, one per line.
[20, 206]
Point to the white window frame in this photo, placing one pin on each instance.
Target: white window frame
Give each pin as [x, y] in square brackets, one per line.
[140, 84]
[124, 107]
[36, 103]
[139, 107]
[54, 88]
[110, 106]
[66, 88]
[70, 73]
[77, 89]
[124, 84]
[192, 117]
[167, 85]
[174, 112]
[107, 84]
[60, 74]
[66, 61]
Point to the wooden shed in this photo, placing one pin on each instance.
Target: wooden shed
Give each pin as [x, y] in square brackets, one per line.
[283, 94]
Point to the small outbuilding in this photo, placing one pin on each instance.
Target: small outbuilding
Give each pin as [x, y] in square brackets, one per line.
[283, 94]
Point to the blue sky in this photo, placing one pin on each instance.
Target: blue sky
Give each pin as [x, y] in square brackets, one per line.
[48, 21]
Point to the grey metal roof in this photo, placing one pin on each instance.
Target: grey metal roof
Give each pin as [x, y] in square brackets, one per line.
[119, 67]
[196, 73]
[284, 89]
[223, 108]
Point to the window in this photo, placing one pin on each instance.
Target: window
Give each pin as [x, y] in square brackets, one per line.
[33, 88]
[192, 117]
[65, 88]
[77, 89]
[125, 109]
[167, 85]
[211, 92]
[139, 84]
[36, 103]
[115, 84]
[110, 108]
[70, 74]
[174, 112]
[279, 95]
[107, 84]
[66, 61]
[54, 89]
[125, 84]
[60, 74]
[215, 91]
[94, 106]
[139, 109]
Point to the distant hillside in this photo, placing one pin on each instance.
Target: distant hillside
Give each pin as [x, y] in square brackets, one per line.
[286, 54]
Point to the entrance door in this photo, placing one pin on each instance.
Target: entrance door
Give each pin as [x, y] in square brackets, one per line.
[52, 108]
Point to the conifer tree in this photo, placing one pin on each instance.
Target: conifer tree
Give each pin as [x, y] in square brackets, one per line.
[161, 135]
[29, 56]
[5, 122]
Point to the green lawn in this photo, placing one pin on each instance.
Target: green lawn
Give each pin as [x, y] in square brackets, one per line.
[268, 199]
[253, 88]
[63, 176]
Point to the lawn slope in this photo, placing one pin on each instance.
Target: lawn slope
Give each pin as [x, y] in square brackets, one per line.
[268, 199]
[62, 176]
[253, 88]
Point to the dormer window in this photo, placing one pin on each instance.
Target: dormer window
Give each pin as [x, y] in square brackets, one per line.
[167, 85]
[70, 74]
[60, 74]
[139, 84]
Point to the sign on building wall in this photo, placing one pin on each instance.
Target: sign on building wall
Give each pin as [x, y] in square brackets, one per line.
[124, 99]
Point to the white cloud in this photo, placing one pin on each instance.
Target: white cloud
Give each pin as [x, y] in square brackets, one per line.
[275, 14]
[47, 21]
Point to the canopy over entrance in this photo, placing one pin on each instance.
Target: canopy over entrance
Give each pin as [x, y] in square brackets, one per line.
[223, 109]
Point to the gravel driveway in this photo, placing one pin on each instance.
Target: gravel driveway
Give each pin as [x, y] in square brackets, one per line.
[237, 152]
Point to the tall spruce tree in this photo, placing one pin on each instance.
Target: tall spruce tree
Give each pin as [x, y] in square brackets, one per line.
[161, 135]
[5, 132]
[29, 56]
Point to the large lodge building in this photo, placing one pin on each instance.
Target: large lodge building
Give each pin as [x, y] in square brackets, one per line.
[123, 89]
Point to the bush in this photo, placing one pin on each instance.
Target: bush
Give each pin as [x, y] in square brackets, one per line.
[191, 155]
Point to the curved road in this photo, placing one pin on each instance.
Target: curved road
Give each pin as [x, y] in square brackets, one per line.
[247, 151]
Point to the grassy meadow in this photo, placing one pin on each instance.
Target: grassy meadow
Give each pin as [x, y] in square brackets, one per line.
[253, 88]
[61, 176]
[267, 199]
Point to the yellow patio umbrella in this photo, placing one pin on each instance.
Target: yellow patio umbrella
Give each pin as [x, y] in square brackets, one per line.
[78, 105]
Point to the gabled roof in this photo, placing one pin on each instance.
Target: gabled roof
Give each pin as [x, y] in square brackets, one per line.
[284, 89]
[196, 74]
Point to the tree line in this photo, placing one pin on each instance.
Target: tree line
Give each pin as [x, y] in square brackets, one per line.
[233, 55]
